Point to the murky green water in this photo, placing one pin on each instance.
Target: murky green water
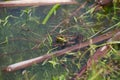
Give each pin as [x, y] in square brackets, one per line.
[21, 33]
[22, 36]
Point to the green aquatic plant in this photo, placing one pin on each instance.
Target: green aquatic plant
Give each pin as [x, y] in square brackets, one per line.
[25, 38]
[52, 10]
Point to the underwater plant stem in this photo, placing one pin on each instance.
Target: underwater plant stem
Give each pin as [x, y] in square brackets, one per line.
[101, 52]
[53, 9]
[27, 63]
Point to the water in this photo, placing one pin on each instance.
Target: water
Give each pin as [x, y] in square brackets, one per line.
[22, 36]
[21, 31]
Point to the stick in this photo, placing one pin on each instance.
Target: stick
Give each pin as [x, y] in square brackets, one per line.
[27, 63]
[101, 52]
[98, 54]
[35, 2]
[74, 13]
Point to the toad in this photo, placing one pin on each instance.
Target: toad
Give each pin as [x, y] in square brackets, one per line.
[62, 41]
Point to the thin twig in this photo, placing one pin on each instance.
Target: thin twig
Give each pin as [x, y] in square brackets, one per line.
[73, 13]
[27, 63]
[101, 52]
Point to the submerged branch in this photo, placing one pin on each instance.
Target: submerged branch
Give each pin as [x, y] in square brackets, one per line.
[35, 2]
[27, 63]
[98, 54]
[73, 13]
[101, 52]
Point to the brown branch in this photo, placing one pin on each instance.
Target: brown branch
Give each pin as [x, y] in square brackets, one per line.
[35, 3]
[98, 54]
[27, 63]
[101, 52]
[73, 13]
